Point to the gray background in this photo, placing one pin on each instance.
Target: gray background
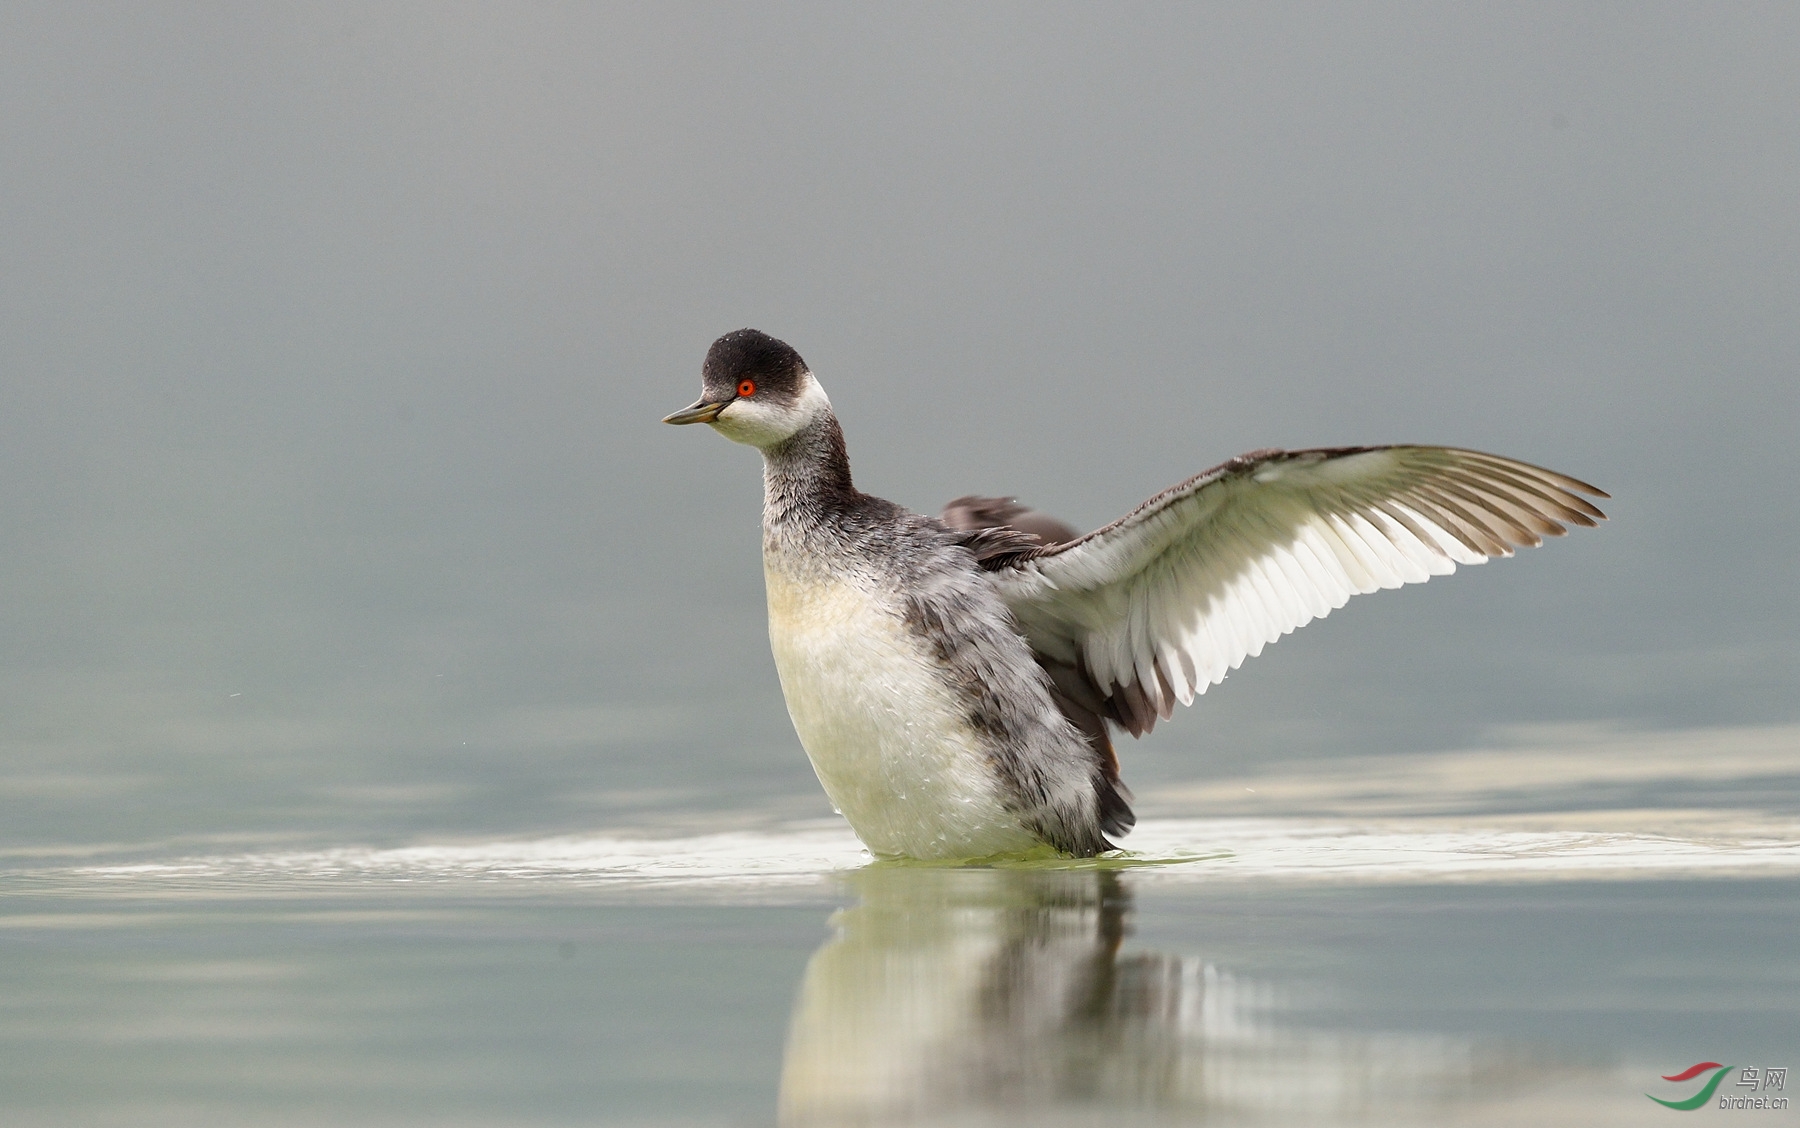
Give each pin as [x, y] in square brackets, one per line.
[333, 340]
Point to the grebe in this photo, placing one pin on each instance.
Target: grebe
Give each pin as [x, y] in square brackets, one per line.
[952, 679]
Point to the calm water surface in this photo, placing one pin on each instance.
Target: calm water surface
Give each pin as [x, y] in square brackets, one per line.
[1288, 972]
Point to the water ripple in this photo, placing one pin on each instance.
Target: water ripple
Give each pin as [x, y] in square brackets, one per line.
[1181, 850]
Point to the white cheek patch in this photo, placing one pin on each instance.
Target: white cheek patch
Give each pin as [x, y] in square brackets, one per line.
[760, 423]
[813, 400]
[747, 421]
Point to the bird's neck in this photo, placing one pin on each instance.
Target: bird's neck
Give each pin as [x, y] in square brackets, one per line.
[806, 476]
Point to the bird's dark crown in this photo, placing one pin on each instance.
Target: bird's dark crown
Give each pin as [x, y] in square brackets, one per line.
[749, 354]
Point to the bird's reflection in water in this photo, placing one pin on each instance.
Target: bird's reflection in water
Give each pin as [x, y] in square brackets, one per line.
[989, 996]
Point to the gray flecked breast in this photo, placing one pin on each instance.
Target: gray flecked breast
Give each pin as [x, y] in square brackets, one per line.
[887, 733]
[926, 716]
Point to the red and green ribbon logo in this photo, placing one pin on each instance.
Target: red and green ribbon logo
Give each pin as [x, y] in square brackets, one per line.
[1688, 1074]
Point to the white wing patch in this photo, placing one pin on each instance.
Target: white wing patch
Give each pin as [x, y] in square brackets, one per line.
[1161, 604]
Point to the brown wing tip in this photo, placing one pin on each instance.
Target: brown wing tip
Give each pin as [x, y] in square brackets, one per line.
[1592, 491]
[1565, 481]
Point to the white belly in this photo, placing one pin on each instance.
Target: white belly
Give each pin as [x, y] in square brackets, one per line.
[885, 734]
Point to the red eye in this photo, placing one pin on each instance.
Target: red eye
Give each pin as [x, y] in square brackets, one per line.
[747, 388]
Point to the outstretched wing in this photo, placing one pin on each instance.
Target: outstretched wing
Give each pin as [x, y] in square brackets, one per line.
[1160, 604]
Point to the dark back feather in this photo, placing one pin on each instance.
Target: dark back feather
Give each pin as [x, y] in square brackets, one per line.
[1002, 533]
